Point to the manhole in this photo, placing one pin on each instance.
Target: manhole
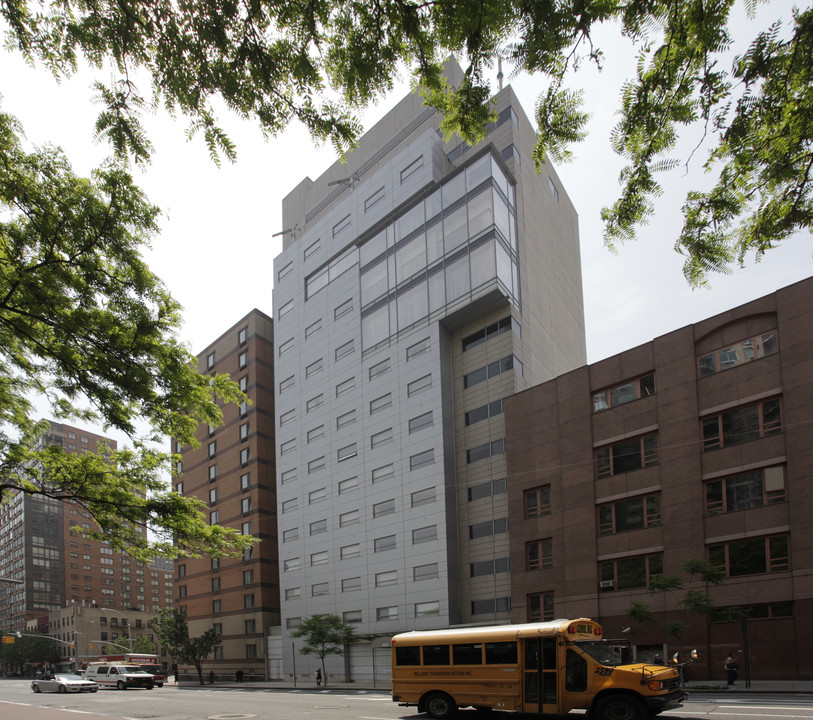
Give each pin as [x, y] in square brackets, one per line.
[230, 716]
[328, 707]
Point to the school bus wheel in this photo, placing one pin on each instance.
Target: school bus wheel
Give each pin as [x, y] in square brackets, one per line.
[440, 706]
[619, 707]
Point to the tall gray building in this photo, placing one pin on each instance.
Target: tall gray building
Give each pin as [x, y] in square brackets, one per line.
[420, 284]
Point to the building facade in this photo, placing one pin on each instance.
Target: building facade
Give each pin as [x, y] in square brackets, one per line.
[695, 446]
[421, 283]
[232, 472]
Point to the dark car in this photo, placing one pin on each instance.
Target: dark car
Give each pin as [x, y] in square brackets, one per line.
[159, 672]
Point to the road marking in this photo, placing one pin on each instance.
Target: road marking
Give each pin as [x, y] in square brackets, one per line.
[766, 707]
[761, 715]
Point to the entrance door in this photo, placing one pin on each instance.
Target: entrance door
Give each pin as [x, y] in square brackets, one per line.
[539, 676]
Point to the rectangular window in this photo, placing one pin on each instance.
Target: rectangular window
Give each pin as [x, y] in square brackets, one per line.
[291, 564]
[315, 402]
[385, 472]
[349, 518]
[424, 534]
[488, 489]
[316, 496]
[421, 422]
[318, 589]
[287, 447]
[245, 505]
[768, 611]
[350, 551]
[423, 497]
[484, 412]
[537, 502]
[248, 601]
[316, 433]
[244, 455]
[746, 490]
[285, 270]
[481, 452]
[496, 566]
[292, 622]
[380, 403]
[627, 455]
[752, 555]
[312, 249]
[390, 577]
[386, 613]
[319, 558]
[290, 505]
[286, 417]
[351, 584]
[243, 385]
[347, 418]
[539, 554]
[315, 367]
[290, 535]
[313, 328]
[422, 459]
[631, 514]
[351, 616]
[285, 309]
[374, 199]
[214, 518]
[245, 481]
[344, 350]
[491, 605]
[286, 384]
[416, 386]
[739, 353]
[418, 349]
[379, 369]
[318, 527]
[342, 310]
[212, 448]
[246, 528]
[216, 606]
[425, 572]
[248, 577]
[627, 392]
[210, 361]
[629, 572]
[341, 225]
[244, 431]
[742, 424]
[498, 367]
[345, 386]
[411, 169]
[212, 473]
[490, 332]
[387, 507]
[287, 476]
[488, 528]
[286, 346]
[293, 593]
[425, 609]
[540, 607]
[348, 485]
[383, 544]
[347, 452]
[381, 438]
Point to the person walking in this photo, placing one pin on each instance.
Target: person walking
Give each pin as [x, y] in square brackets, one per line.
[731, 667]
[175, 672]
[318, 677]
[238, 676]
[211, 677]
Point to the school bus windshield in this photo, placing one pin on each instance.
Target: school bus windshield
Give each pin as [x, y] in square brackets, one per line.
[601, 653]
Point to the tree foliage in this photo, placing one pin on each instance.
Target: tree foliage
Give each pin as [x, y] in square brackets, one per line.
[173, 635]
[28, 649]
[142, 644]
[319, 62]
[324, 635]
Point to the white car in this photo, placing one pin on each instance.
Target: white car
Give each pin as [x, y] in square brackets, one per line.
[63, 683]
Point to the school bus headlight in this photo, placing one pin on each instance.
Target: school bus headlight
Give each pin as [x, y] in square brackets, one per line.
[655, 685]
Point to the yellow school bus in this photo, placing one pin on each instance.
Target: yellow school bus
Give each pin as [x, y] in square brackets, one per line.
[550, 667]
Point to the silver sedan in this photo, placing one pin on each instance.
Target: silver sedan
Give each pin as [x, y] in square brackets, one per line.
[63, 684]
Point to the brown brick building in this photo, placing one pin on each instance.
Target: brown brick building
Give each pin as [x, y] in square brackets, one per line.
[693, 446]
[233, 473]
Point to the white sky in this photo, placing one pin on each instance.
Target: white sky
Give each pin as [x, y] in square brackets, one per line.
[216, 248]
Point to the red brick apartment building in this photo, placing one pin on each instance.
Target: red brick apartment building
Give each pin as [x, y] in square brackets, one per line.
[233, 473]
[696, 445]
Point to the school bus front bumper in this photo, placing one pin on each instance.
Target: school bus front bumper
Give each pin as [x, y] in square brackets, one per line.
[670, 701]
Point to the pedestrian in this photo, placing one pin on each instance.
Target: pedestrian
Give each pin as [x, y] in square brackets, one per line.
[175, 671]
[318, 677]
[658, 660]
[731, 667]
[238, 676]
[211, 677]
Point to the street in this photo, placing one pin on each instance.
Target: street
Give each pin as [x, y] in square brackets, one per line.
[17, 702]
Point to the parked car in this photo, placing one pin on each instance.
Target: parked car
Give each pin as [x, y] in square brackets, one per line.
[120, 676]
[63, 683]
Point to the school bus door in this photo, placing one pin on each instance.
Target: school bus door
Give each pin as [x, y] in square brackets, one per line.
[539, 671]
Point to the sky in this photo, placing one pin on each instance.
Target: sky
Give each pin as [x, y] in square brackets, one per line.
[216, 247]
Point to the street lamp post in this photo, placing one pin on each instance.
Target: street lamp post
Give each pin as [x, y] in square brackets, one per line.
[126, 622]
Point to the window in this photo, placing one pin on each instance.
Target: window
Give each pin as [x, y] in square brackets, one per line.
[630, 572]
[481, 452]
[345, 386]
[182, 591]
[316, 465]
[746, 490]
[313, 328]
[341, 225]
[244, 431]
[387, 507]
[242, 360]
[246, 528]
[347, 418]
[484, 412]
[244, 383]
[374, 199]
[488, 489]
[286, 384]
[216, 606]
[319, 558]
[317, 527]
[492, 331]
[242, 336]
[739, 353]
[285, 309]
[348, 485]
[317, 495]
[285, 270]
[286, 346]
[215, 584]
[315, 367]
[290, 535]
[418, 349]
[488, 528]
[752, 555]
[245, 505]
[498, 367]
[321, 588]
[351, 584]
[386, 613]
[425, 534]
[248, 601]
[769, 611]
[420, 422]
[349, 518]
[390, 577]
[343, 309]
[210, 361]
[539, 554]
[425, 572]
[287, 476]
[380, 403]
[214, 518]
[495, 566]
[245, 481]
[212, 496]
[742, 424]
[422, 459]
[316, 433]
[379, 369]
[315, 402]
[292, 622]
[423, 497]
[383, 544]
[212, 473]
[350, 551]
[287, 447]
[632, 514]
[381, 438]
[491, 605]
[351, 616]
[425, 609]
[293, 593]
[312, 249]
[416, 386]
[347, 452]
[386, 472]
[290, 505]
[287, 417]
[212, 448]
[622, 394]
[627, 455]
[291, 564]
[244, 455]
[248, 577]
[537, 502]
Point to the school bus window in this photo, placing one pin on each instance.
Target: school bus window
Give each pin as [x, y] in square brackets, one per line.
[435, 654]
[468, 654]
[501, 653]
[408, 655]
[575, 672]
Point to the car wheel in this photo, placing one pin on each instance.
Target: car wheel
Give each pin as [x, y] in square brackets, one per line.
[440, 706]
[36, 688]
[94, 689]
[619, 707]
[150, 687]
[62, 689]
[121, 685]
[160, 684]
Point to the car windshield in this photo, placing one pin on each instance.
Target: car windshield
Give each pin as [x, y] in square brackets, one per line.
[134, 669]
[601, 653]
[67, 676]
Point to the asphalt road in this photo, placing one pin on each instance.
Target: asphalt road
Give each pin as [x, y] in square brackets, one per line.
[17, 702]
